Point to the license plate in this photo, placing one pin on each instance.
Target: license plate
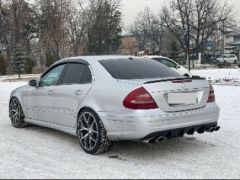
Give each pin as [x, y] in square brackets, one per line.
[182, 98]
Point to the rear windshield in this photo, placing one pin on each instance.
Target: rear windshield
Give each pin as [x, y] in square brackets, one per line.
[137, 69]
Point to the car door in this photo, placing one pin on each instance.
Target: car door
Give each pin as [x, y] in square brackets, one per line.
[40, 99]
[76, 83]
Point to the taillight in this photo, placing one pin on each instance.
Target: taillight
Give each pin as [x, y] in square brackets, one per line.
[211, 97]
[139, 99]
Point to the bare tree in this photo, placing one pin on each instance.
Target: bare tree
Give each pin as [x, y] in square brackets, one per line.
[149, 31]
[53, 27]
[194, 21]
[77, 26]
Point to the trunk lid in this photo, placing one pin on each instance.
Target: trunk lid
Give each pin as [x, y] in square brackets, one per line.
[176, 94]
[179, 94]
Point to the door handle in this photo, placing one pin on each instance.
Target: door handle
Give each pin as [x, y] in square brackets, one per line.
[78, 92]
[51, 92]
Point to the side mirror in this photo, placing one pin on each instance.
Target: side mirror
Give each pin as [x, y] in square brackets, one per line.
[33, 83]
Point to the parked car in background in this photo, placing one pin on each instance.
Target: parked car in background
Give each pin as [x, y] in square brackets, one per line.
[210, 58]
[171, 64]
[102, 99]
[228, 58]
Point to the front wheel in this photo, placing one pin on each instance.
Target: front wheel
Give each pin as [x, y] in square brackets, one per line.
[91, 133]
[16, 114]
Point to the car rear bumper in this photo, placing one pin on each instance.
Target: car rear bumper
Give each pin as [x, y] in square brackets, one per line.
[141, 124]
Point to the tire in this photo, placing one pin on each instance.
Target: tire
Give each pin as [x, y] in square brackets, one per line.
[91, 133]
[16, 113]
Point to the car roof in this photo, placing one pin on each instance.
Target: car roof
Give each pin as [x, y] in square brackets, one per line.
[156, 57]
[92, 59]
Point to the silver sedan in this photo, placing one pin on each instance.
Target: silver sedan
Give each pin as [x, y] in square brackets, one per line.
[102, 99]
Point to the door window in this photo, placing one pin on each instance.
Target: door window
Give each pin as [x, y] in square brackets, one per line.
[52, 77]
[166, 62]
[77, 74]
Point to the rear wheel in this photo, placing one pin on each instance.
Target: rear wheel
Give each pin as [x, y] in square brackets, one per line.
[91, 133]
[16, 113]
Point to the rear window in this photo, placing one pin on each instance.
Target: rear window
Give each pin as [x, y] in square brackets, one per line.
[137, 69]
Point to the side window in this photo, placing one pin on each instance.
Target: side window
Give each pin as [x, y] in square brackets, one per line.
[77, 74]
[160, 60]
[168, 63]
[52, 77]
[87, 76]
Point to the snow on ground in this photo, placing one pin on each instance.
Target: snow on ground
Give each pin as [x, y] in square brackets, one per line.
[218, 74]
[37, 152]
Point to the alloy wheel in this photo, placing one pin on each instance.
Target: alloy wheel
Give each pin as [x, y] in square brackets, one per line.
[88, 131]
[16, 113]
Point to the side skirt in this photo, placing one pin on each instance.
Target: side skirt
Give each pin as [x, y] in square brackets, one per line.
[67, 130]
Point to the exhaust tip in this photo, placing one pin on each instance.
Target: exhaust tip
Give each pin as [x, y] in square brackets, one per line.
[211, 129]
[201, 130]
[153, 140]
[191, 132]
[217, 128]
[162, 139]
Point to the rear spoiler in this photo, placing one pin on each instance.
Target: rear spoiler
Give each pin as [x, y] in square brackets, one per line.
[177, 79]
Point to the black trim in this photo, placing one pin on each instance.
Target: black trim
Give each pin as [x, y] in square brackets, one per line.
[63, 74]
[176, 132]
[75, 62]
[65, 61]
[176, 79]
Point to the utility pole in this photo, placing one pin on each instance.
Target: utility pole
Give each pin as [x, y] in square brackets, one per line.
[188, 37]
[224, 37]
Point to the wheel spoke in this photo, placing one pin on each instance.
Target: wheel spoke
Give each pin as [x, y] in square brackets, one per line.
[92, 139]
[86, 120]
[93, 123]
[83, 122]
[95, 132]
[83, 129]
[85, 137]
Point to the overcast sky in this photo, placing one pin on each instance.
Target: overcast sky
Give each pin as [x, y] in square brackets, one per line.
[130, 8]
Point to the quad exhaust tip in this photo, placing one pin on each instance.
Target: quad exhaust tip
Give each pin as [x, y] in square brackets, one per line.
[169, 135]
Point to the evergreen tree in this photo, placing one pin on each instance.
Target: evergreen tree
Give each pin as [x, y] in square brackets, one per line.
[19, 62]
[49, 59]
[29, 65]
[174, 49]
[104, 30]
[3, 70]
